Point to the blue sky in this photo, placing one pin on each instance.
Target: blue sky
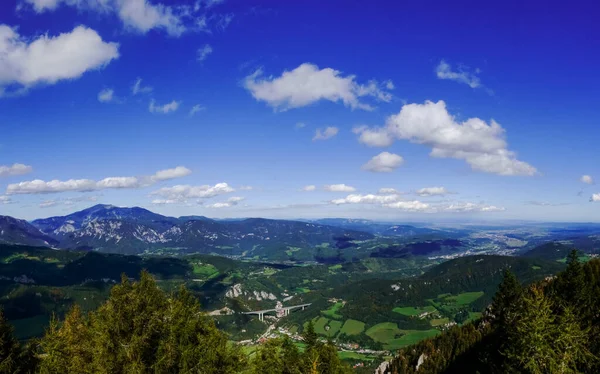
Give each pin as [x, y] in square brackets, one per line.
[301, 109]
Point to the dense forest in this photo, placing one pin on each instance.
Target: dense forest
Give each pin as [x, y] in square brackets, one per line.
[552, 326]
[142, 329]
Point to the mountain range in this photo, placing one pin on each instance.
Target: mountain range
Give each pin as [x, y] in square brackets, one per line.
[108, 228]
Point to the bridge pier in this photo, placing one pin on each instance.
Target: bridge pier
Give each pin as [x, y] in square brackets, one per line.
[261, 317]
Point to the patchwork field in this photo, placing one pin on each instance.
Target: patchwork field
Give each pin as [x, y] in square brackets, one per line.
[392, 337]
[352, 327]
[412, 311]
[333, 311]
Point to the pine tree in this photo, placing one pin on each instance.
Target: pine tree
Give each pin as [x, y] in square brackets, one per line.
[10, 350]
[139, 329]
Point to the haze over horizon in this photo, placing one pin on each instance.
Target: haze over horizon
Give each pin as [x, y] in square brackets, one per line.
[227, 109]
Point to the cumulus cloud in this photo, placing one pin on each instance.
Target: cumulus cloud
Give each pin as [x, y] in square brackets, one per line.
[203, 53]
[141, 16]
[462, 75]
[328, 133]
[432, 191]
[587, 179]
[409, 206]
[182, 193]
[595, 198]
[26, 62]
[5, 199]
[15, 169]
[106, 95]
[167, 174]
[375, 137]
[195, 109]
[384, 162]
[138, 88]
[39, 186]
[164, 109]
[338, 188]
[307, 84]
[232, 201]
[310, 187]
[483, 146]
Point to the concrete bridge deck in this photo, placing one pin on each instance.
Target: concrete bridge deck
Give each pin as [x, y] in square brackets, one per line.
[285, 309]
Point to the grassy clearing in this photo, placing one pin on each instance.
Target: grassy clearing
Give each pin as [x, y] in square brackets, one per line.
[320, 326]
[294, 329]
[410, 337]
[335, 267]
[534, 267]
[384, 332]
[347, 355]
[465, 298]
[204, 270]
[473, 316]
[301, 290]
[290, 251]
[353, 327]
[334, 327]
[394, 338]
[412, 311]
[333, 311]
[439, 322]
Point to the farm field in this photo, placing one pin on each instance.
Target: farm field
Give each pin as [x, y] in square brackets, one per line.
[411, 311]
[352, 327]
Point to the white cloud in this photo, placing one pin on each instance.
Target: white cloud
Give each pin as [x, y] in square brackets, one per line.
[167, 174]
[389, 191]
[48, 203]
[409, 206]
[389, 84]
[5, 199]
[367, 199]
[308, 84]
[338, 188]
[106, 95]
[15, 169]
[310, 187]
[118, 182]
[444, 71]
[394, 200]
[483, 146]
[595, 197]
[470, 207]
[26, 62]
[39, 186]
[246, 188]
[164, 109]
[142, 16]
[328, 133]
[203, 53]
[138, 88]
[232, 201]
[195, 109]
[384, 162]
[183, 192]
[375, 137]
[300, 125]
[165, 201]
[432, 191]
[587, 179]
